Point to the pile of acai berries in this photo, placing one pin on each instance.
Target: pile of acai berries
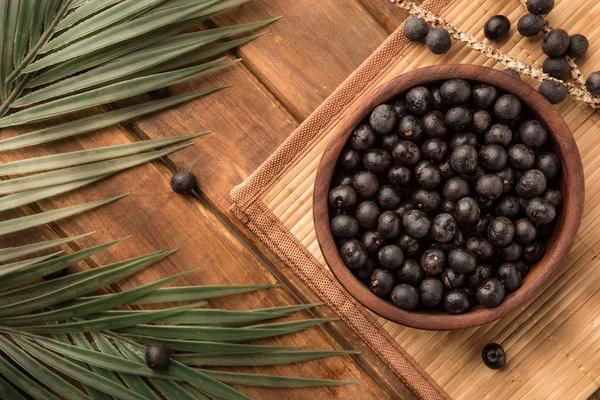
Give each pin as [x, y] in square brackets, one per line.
[444, 198]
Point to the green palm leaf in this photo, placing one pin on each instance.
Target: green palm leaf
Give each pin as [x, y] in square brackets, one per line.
[23, 29]
[253, 360]
[39, 12]
[236, 378]
[83, 11]
[12, 253]
[8, 391]
[194, 293]
[11, 14]
[27, 263]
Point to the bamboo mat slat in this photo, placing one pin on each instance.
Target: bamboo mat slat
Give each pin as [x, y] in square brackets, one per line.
[553, 343]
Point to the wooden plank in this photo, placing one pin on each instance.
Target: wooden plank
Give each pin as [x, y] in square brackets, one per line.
[386, 13]
[158, 218]
[306, 54]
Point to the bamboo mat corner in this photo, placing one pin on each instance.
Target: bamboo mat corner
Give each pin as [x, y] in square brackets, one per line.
[553, 343]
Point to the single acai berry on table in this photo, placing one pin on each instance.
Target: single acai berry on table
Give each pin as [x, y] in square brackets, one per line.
[578, 46]
[557, 67]
[540, 7]
[592, 83]
[438, 41]
[496, 27]
[555, 92]
[493, 354]
[157, 357]
[530, 25]
[415, 29]
[183, 182]
[556, 43]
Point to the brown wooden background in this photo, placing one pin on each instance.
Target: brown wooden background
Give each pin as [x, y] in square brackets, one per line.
[285, 75]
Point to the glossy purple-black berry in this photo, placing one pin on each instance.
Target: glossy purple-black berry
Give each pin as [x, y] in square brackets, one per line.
[540, 211]
[466, 211]
[540, 7]
[183, 182]
[342, 197]
[410, 272]
[549, 164]
[553, 197]
[390, 257]
[456, 188]
[405, 297]
[525, 231]
[496, 27]
[489, 187]
[456, 301]
[452, 279]
[533, 133]
[511, 253]
[438, 41]
[532, 184]
[364, 273]
[388, 142]
[484, 96]
[365, 183]
[389, 225]
[344, 227]
[431, 291]
[507, 206]
[510, 276]
[400, 107]
[384, 118]
[388, 197]
[455, 91]
[438, 103]
[418, 101]
[592, 83]
[507, 107]
[481, 121]
[399, 176]
[521, 157]
[578, 46]
[530, 25]
[406, 153]
[157, 357]
[382, 282]
[410, 128]
[428, 201]
[367, 214]
[377, 160]
[557, 67]
[463, 138]
[482, 249]
[498, 134]
[493, 354]
[501, 231]
[443, 228]
[534, 252]
[481, 274]
[435, 150]
[458, 118]
[404, 208]
[415, 29]
[427, 175]
[354, 254]
[493, 157]
[556, 43]
[363, 138]
[409, 245]
[490, 293]
[462, 261]
[508, 179]
[464, 159]
[433, 261]
[372, 241]
[416, 223]
[434, 124]
[555, 92]
[350, 159]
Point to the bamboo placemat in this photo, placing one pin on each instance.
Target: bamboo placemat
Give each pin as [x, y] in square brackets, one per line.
[553, 343]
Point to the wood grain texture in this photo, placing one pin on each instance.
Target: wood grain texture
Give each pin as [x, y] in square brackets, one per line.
[308, 52]
[558, 248]
[388, 14]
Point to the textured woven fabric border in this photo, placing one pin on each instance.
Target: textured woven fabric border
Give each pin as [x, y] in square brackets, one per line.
[248, 207]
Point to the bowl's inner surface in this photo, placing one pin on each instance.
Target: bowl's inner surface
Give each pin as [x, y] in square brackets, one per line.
[557, 246]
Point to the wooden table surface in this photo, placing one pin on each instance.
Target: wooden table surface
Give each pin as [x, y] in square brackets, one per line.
[285, 75]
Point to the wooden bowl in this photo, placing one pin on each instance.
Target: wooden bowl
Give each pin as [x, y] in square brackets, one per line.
[558, 246]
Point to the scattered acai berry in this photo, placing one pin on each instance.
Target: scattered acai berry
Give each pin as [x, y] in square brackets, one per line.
[556, 43]
[183, 182]
[496, 27]
[493, 354]
[540, 7]
[592, 83]
[557, 67]
[578, 46]
[157, 357]
[555, 92]
[415, 29]
[438, 41]
[530, 25]
[444, 196]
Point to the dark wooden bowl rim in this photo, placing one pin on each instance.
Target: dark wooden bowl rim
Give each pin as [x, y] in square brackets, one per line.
[558, 246]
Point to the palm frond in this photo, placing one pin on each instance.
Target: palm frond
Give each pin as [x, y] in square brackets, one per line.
[57, 57]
